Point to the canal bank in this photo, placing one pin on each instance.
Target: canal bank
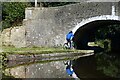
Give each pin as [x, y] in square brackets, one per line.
[20, 56]
[12, 53]
[98, 66]
[15, 57]
[50, 63]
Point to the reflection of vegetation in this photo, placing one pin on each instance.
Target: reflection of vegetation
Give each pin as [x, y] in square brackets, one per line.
[2, 67]
[4, 77]
[107, 38]
[108, 64]
[3, 61]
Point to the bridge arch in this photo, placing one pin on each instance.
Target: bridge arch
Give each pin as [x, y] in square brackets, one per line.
[83, 31]
[86, 21]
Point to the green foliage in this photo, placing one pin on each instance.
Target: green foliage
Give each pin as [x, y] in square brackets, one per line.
[106, 44]
[13, 13]
[37, 50]
[54, 4]
[104, 35]
[107, 32]
[108, 64]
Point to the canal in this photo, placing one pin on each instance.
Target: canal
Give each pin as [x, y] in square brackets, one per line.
[99, 66]
[102, 65]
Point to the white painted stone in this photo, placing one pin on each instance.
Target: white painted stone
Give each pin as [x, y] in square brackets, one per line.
[85, 21]
[113, 10]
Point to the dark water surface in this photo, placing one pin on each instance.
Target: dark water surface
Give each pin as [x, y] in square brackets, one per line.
[99, 66]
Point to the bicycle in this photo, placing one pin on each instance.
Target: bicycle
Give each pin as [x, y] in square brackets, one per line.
[67, 62]
[67, 45]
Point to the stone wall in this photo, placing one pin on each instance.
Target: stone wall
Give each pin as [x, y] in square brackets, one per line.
[5, 37]
[48, 26]
[13, 37]
[119, 9]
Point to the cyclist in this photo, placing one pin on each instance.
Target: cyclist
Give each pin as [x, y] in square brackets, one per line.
[69, 38]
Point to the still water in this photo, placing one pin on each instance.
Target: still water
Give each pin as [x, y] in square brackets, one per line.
[101, 65]
[98, 66]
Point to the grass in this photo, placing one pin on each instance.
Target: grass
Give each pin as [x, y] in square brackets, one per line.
[36, 50]
[106, 44]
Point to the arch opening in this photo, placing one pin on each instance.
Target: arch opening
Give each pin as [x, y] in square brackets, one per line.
[86, 33]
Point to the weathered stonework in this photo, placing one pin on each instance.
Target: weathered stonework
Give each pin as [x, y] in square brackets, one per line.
[14, 37]
[119, 10]
[48, 26]
[18, 36]
[5, 37]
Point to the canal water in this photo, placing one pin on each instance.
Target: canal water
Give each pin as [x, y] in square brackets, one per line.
[98, 66]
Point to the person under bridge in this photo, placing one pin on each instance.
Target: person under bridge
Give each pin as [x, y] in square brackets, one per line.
[69, 38]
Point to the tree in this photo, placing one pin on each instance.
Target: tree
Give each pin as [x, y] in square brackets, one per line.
[13, 13]
[110, 33]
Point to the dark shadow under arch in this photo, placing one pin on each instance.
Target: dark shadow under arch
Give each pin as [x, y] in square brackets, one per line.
[85, 33]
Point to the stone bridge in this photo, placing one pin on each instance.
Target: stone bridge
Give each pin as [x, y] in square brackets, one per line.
[49, 26]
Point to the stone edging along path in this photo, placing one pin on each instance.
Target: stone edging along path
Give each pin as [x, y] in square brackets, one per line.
[29, 58]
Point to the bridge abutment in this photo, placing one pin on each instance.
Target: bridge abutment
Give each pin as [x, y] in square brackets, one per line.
[48, 26]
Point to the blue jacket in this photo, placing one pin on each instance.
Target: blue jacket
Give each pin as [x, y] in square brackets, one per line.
[69, 36]
[69, 71]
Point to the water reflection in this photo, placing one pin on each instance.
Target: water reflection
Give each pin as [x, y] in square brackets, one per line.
[109, 64]
[101, 65]
[39, 70]
[46, 67]
[69, 69]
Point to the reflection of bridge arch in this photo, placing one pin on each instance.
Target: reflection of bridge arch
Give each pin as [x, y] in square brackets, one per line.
[84, 31]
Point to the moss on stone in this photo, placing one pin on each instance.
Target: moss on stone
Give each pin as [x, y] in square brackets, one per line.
[40, 50]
